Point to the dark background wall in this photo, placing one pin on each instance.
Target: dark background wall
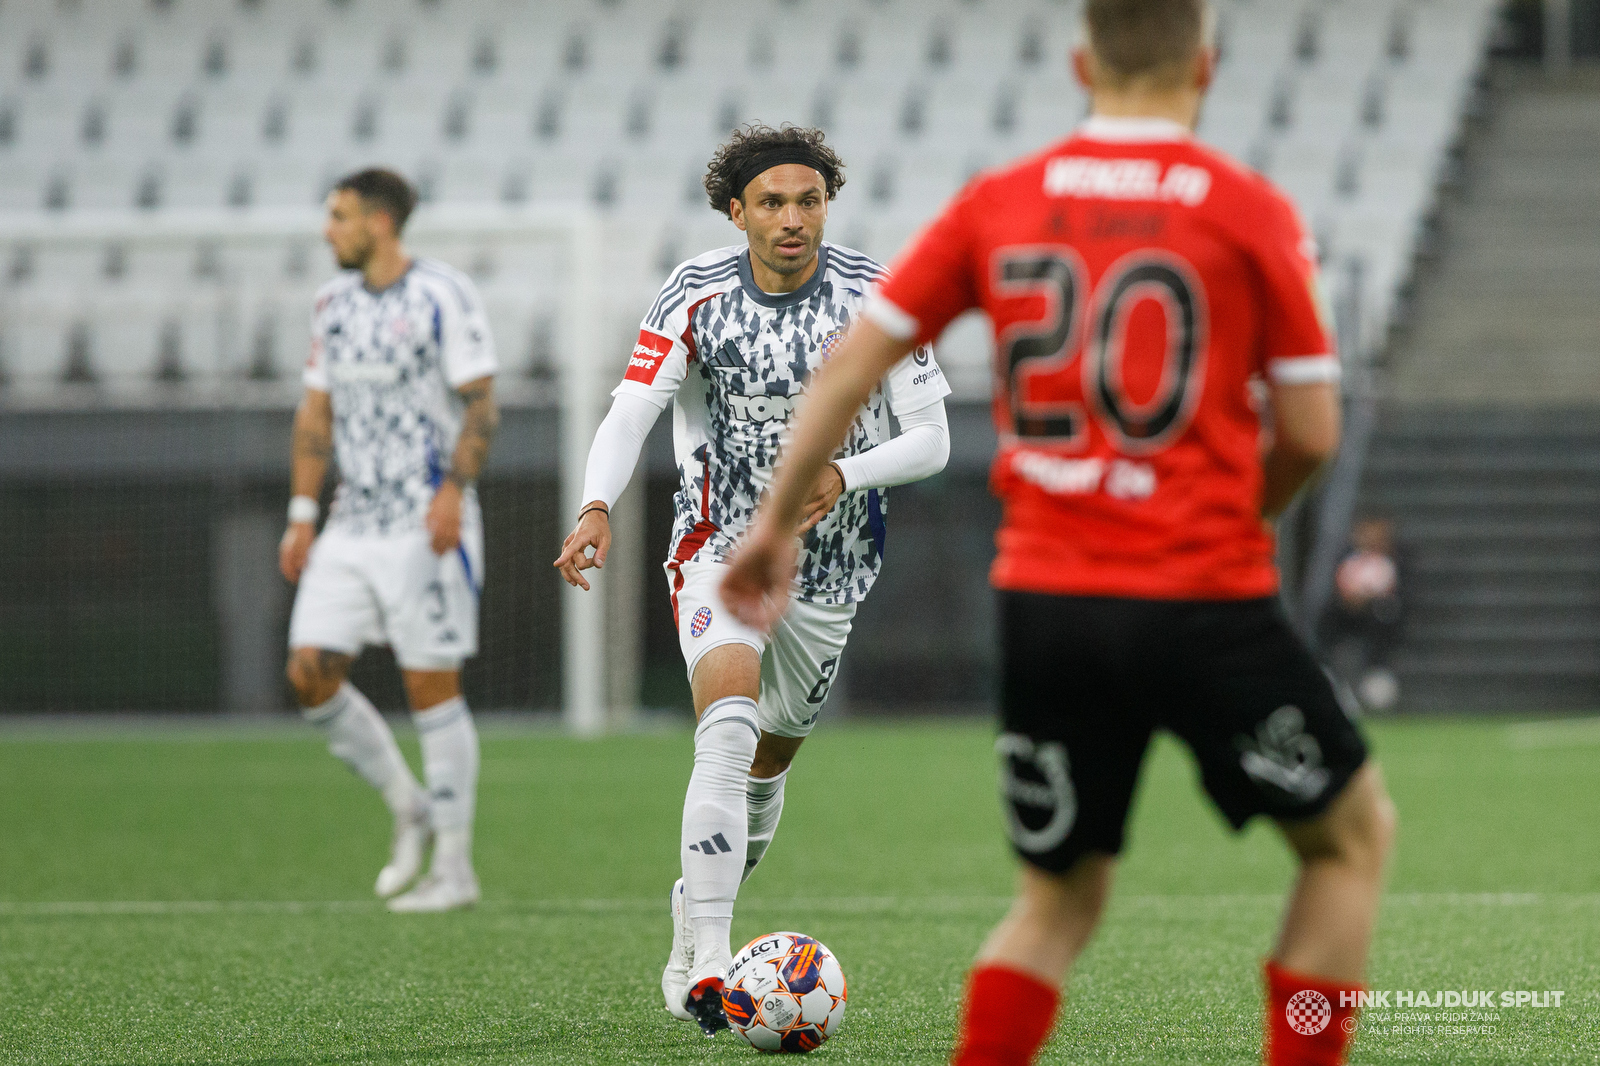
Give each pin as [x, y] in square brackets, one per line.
[1522, 32]
[139, 547]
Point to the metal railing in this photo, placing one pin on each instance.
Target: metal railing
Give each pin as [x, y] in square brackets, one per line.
[1334, 503]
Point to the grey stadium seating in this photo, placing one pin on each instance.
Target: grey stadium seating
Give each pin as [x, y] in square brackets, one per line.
[123, 119]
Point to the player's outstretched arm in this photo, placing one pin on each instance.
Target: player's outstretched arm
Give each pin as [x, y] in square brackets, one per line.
[757, 586]
[311, 448]
[612, 457]
[920, 450]
[1305, 434]
[478, 424]
[825, 492]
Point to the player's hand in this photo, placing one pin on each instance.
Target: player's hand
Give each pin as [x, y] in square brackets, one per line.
[756, 589]
[295, 548]
[444, 518]
[592, 531]
[824, 494]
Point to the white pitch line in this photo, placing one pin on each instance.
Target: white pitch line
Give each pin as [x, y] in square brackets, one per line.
[1559, 733]
[858, 905]
[838, 905]
[93, 908]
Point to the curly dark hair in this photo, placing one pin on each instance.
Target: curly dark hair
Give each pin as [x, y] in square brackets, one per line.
[749, 142]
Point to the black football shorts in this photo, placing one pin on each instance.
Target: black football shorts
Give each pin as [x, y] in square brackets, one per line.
[1086, 680]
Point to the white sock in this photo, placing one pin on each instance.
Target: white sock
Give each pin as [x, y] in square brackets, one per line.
[714, 821]
[452, 849]
[358, 734]
[450, 765]
[764, 796]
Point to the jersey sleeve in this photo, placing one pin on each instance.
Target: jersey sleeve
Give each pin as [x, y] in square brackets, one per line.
[660, 358]
[935, 279]
[915, 382]
[1298, 345]
[466, 345]
[315, 375]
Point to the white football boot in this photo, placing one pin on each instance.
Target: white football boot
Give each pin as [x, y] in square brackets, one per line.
[439, 891]
[412, 833]
[675, 978]
[703, 997]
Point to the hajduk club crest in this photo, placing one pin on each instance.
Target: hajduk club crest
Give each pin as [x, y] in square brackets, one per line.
[830, 344]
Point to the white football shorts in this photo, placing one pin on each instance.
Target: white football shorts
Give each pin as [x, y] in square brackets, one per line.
[360, 590]
[798, 662]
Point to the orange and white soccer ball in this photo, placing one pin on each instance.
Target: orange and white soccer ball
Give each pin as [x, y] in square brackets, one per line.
[785, 993]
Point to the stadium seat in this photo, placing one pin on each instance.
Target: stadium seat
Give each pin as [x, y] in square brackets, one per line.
[979, 48]
[133, 107]
[282, 180]
[198, 183]
[34, 337]
[683, 114]
[511, 320]
[48, 125]
[1305, 167]
[774, 101]
[287, 309]
[961, 109]
[230, 119]
[924, 178]
[1048, 107]
[22, 186]
[124, 336]
[644, 185]
[168, 267]
[470, 179]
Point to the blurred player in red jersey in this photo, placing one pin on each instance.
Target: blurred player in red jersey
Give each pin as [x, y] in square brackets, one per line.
[1140, 285]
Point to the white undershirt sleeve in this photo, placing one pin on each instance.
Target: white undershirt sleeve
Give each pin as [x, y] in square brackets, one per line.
[921, 450]
[616, 447]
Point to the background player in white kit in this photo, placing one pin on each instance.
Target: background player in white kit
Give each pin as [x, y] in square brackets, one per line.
[731, 342]
[400, 390]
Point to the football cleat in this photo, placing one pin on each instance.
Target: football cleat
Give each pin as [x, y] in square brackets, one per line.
[438, 892]
[704, 1004]
[412, 834]
[675, 978]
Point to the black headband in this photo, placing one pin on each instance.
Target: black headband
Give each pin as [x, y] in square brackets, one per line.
[776, 157]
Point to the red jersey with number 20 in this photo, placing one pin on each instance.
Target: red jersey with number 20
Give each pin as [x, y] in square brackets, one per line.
[1138, 283]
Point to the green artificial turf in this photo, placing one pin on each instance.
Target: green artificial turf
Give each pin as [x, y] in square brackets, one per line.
[205, 898]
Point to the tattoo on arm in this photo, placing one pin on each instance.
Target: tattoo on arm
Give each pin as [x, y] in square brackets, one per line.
[312, 442]
[333, 665]
[311, 447]
[478, 424]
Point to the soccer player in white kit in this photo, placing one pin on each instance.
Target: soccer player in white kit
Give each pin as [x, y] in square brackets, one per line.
[731, 343]
[400, 391]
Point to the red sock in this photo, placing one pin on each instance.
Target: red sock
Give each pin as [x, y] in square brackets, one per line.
[1294, 1011]
[1007, 1017]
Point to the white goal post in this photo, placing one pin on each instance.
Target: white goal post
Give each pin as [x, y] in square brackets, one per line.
[583, 365]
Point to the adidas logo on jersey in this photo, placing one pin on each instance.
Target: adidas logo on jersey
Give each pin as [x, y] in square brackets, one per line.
[727, 358]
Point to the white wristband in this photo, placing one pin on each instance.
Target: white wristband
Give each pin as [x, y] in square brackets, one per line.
[303, 509]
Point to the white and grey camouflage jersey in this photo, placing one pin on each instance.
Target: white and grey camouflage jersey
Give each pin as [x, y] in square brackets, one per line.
[391, 362]
[734, 361]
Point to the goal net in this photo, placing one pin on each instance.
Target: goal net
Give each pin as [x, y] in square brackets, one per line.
[151, 368]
